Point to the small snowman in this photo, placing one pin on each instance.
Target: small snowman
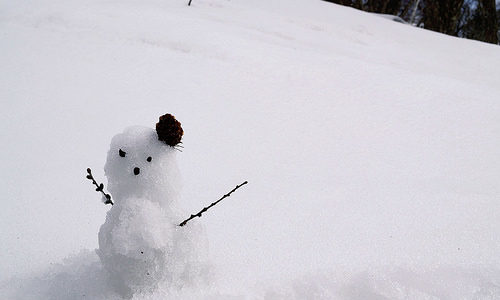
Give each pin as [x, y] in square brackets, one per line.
[141, 245]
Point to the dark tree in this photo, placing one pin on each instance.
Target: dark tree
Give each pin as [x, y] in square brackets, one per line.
[473, 19]
[442, 15]
[407, 7]
[383, 6]
[393, 7]
[341, 2]
[465, 17]
[482, 24]
[490, 20]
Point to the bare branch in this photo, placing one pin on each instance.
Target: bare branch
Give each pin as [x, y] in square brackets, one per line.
[99, 187]
[208, 207]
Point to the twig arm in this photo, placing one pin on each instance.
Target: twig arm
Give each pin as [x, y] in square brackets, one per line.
[214, 203]
[99, 187]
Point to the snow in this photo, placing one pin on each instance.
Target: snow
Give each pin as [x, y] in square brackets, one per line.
[370, 146]
[392, 18]
[157, 180]
[141, 244]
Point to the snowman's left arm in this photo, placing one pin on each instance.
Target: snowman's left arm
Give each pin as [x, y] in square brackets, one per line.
[206, 208]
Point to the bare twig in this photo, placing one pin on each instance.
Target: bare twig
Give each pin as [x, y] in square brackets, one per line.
[189, 4]
[100, 187]
[208, 207]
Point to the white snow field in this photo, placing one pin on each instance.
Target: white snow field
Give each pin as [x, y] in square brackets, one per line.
[372, 148]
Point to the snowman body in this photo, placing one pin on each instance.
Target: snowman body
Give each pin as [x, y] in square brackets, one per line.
[140, 243]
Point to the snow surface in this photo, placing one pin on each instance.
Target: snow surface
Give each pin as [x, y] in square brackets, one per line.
[370, 147]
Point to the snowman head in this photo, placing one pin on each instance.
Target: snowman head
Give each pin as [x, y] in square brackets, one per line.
[141, 162]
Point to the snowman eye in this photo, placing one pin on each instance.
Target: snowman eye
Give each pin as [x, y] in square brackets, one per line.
[149, 159]
[122, 153]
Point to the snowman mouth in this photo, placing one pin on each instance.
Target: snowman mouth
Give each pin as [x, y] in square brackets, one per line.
[137, 171]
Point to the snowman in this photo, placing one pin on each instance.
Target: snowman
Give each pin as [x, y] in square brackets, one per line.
[141, 245]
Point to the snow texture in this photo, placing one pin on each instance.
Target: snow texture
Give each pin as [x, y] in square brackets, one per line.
[370, 148]
[141, 244]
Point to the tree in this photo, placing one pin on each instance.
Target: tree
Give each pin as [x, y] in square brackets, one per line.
[412, 12]
[482, 24]
[490, 21]
[473, 19]
[383, 6]
[442, 15]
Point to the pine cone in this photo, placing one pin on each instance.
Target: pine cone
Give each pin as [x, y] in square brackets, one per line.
[169, 130]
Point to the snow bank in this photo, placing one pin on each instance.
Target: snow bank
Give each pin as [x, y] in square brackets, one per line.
[369, 146]
[81, 277]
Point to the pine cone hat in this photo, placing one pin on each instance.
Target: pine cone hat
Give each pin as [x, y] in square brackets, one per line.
[169, 130]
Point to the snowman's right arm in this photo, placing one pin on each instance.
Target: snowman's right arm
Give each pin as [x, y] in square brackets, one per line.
[99, 188]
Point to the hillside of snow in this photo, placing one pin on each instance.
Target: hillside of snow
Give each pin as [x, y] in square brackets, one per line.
[371, 147]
